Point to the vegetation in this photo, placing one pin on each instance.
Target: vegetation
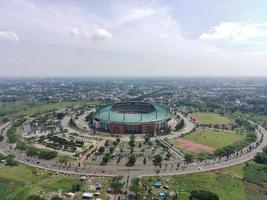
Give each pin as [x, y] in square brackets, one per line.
[131, 160]
[136, 186]
[33, 151]
[116, 184]
[212, 118]
[180, 125]
[36, 197]
[222, 183]
[10, 160]
[157, 159]
[21, 182]
[12, 131]
[255, 173]
[203, 195]
[215, 138]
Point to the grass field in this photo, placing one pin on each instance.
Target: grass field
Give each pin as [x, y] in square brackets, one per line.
[211, 118]
[12, 110]
[215, 138]
[227, 186]
[23, 181]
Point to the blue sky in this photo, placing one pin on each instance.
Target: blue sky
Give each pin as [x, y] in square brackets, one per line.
[133, 38]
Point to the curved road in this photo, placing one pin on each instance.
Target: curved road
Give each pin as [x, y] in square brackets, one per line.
[144, 170]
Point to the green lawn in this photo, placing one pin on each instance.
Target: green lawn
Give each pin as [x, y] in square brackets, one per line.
[24, 181]
[19, 182]
[215, 138]
[212, 118]
[12, 110]
[226, 186]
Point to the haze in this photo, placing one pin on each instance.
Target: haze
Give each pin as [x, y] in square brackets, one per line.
[133, 38]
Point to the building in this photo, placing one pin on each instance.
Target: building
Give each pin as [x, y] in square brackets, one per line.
[132, 118]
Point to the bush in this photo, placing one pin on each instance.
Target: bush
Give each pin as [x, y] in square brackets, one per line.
[189, 158]
[56, 198]
[10, 160]
[260, 158]
[12, 131]
[35, 197]
[255, 173]
[203, 195]
[131, 160]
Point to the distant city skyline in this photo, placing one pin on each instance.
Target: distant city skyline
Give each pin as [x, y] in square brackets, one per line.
[133, 38]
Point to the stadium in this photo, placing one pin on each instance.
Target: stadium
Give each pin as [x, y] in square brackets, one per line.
[132, 118]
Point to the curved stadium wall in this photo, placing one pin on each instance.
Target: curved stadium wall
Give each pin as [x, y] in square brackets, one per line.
[132, 118]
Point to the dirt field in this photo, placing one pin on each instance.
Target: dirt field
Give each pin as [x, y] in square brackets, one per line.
[187, 145]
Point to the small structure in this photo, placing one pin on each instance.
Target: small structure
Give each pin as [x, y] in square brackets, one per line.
[98, 186]
[87, 195]
[158, 184]
[82, 178]
[163, 194]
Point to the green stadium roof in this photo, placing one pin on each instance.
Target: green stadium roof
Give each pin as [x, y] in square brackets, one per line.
[105, 113]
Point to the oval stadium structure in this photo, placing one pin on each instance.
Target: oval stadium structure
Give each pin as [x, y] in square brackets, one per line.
[132, 118]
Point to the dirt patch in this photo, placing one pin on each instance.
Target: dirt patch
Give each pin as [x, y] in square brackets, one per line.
[192, 146]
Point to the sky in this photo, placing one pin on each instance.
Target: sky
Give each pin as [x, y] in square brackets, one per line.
[57, 38]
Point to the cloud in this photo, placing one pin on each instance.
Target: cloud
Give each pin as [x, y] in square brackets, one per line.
[8, 36]
[163, 36]
[98, 34]
[101, 34]
[236, 31]
[136, 14]
[74, 32]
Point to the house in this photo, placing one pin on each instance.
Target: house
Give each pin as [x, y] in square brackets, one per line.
[157, 184]
[87, 195]
[98, 186]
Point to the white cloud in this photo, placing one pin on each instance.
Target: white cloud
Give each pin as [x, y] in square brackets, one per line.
[163, 36]
[236, 31]
[136, 14]
[8, 36]
[101, 34]
[98, 34]
[74, 32]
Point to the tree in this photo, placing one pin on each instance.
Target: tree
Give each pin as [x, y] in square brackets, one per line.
[106, 158]
[168, 156]
[56, 198]
[118, 140]
[72, 123]
[116, 184]
[147, 138]
[101, 150]
[1, 138]
[179, 125]
[260, 158]
[131, 160]
[188, 158]
[135, 186]
[157, 159]
[10, 160]
[132, 140]
[35, 197]
[144, 161]
[203, 195]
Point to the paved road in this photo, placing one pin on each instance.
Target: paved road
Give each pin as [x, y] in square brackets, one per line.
[144, 170]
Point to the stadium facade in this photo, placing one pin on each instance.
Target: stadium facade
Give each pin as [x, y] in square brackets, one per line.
[132, 118]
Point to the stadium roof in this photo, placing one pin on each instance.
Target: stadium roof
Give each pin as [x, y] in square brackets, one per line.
[105, 113]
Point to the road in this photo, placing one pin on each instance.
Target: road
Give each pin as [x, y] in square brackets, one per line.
[144, 170]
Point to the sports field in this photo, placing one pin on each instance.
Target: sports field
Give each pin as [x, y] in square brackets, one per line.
[211, 118]
[215, 138]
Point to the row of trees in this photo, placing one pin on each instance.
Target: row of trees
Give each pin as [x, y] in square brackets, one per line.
[12, 131]
[33, 151]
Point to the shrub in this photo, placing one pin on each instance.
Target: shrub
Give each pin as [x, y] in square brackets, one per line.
[203, 195]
